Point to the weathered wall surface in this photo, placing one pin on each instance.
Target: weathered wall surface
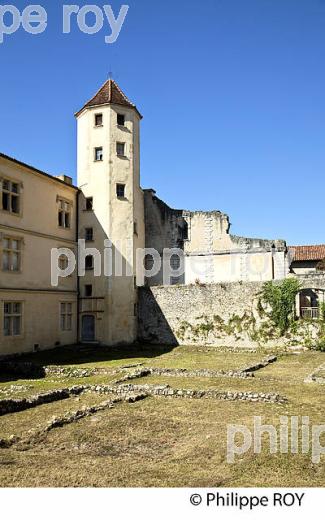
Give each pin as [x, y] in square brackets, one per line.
[35, 227]
[216, 314]
[209, 253]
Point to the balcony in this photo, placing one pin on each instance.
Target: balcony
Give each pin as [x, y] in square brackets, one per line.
[309, 312]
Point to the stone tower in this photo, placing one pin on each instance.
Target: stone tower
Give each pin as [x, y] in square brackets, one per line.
[111, 215]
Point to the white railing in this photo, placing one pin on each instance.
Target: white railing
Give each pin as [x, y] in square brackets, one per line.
[310, 312]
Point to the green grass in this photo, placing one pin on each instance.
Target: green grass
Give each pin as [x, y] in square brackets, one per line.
[161, 441]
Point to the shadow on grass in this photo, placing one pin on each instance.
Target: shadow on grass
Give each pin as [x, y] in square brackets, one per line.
[14, 370]
[81, 354]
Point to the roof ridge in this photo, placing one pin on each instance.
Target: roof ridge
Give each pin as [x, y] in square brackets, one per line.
[98, 91]
[121, 92]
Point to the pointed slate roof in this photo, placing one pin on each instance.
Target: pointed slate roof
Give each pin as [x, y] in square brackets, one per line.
[109, 94]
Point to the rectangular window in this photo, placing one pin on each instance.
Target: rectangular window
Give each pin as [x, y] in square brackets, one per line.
[99, 153]
[120, 191]
[64, 214]
[135, 228]
[89, 234]
[10, 196]
[121, 119]
[98, 119]
[11, 254]
[88, 290]
[66, 316]
[120, 149]
[89, 204]
[12, 318]
[89, 262]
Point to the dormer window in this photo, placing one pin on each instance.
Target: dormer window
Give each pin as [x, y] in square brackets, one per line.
[98, 119]
[120, 120]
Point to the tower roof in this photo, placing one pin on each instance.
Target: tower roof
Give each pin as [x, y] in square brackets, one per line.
[109, 94]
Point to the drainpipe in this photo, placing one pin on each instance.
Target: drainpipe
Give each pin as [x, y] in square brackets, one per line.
[273, 248]
[78, 284]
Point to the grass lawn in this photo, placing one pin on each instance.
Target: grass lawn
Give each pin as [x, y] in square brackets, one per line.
[161, 441]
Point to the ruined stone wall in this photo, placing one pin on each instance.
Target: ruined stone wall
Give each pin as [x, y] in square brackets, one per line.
[209, 253]
[165, 228]
[216, 314]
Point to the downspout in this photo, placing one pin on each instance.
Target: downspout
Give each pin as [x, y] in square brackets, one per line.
[78, 284]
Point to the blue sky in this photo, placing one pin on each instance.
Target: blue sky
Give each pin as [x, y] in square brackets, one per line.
[232, 93]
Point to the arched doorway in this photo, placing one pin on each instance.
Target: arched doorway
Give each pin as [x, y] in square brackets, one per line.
[88, 327]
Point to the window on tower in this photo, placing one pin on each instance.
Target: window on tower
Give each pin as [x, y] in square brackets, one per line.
[89, 234]
[120, 149]
[89, 263]
[98, 119]
[89, 204]
[88, 291]
[120, 191]
[120, 119]
[99, 153]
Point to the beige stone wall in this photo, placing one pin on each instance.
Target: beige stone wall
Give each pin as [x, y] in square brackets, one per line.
[224, 314]
[41, 321]
[36, 227]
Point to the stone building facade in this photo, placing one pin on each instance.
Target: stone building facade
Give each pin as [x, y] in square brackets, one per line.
[115, 219]
[37, 213]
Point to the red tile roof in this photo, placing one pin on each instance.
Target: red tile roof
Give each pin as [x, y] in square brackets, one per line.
[109, 94]
[303, 253]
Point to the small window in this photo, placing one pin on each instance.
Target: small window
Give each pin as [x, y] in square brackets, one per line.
[89, 204]
[88, 290]
[98, 119]
[135, 228]
[63, 262]
[120, 191]
[11, 254]
[99, 153]
[64, 214]
[121, 120]
[10, 196]
[12, 318]
[89, 262]
[66, 316]
[89, 234]
[120, 149]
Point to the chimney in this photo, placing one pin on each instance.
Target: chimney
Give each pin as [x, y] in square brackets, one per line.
[64, 178]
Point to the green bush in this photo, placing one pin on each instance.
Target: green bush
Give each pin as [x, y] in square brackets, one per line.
[281, 298]
[321, 344]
